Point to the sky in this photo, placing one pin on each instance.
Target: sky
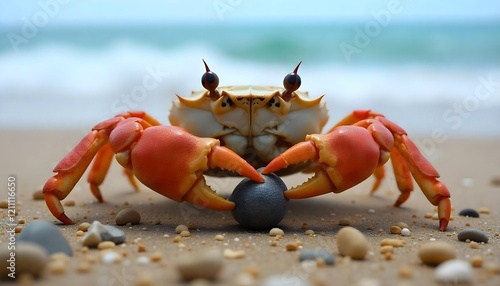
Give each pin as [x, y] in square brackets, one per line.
[64, 12]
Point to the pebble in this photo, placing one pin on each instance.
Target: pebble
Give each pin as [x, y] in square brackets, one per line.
[476, 261]
[185, 233]
[291, 246]
[276, 231]
[84, 226]
[483, 210]
[110, 257]
[127, 215]
[106, 245]
[392, 242]
[395, 229]
[180, 228]
[318, 253]
[234, 254]
[4, 204]
[469, 213]
[290, 279]
[472, 234]
[98, 232]
[31, 258]
[69, 203]
[38, 195]
[219, 237]
[46, 235]
[259, 206]
[454, 271]
[436, 252]
[351, 242]
[200, 265]
[405, 232]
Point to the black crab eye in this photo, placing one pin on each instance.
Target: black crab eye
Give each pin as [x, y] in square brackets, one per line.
[291, 82]
[210, 80]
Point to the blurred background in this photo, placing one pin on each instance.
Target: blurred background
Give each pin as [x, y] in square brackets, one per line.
[432, 67]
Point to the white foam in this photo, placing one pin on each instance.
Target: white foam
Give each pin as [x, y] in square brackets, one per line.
[54, 86]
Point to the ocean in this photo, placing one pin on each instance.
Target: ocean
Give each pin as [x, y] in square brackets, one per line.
[431, 78]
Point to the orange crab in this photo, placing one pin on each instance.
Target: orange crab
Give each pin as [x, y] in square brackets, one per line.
[240, 128]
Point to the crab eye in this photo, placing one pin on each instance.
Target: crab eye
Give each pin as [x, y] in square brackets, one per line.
[291, 83]
[210, 80]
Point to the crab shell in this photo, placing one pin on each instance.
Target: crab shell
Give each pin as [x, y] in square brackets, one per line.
[256, 122]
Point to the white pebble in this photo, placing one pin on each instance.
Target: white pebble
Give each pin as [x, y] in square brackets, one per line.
[110, 257]
[405, 232]
[372, 211]
[454, 271]
[143, 260]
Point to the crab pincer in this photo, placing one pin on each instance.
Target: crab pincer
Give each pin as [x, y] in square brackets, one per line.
[166, 159]
[349, 154]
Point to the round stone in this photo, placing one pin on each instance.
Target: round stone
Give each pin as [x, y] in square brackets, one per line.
[469, 213]
[46, 235]
[260, 206]
[455, 272]
[127, 215]
[29, 258]
[473, 235]
[351, 242]
[200, 265]
[436, 252]
[318, 253]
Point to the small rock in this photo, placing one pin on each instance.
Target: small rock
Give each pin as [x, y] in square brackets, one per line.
[38, 195]
[276, 231]
[473, 235]
[436, 252]
[46, 235]
[454, 271]
[180, 228]
[233, 254]
[127, 215]
[97, 232]
[259, 206]
[469, 213]
[84, 226]
[351, 242]
[200, 265]
[31, 258]
[405, 232]
[91, 238]
[318, 253]
[395, 229]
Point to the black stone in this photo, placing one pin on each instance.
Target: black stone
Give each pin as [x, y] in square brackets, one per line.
[473, 235]
[469, 213]
[259, 206]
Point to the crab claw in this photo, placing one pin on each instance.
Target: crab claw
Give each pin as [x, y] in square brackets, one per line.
[339, 167]
[171, 162]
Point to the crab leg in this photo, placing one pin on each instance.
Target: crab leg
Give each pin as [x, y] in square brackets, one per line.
[69, 171]
[426, 177]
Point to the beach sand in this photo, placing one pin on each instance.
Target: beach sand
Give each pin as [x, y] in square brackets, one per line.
[469, 167]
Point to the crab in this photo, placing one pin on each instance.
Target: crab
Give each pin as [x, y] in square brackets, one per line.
[233, 130]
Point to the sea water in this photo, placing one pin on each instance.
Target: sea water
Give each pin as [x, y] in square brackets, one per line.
[431, 78]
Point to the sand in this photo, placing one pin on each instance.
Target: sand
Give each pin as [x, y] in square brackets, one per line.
[469, 167]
